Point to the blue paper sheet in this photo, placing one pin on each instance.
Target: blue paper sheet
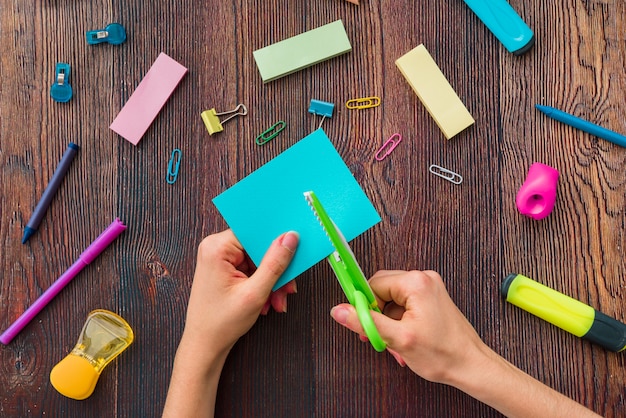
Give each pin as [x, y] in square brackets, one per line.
[271, 201]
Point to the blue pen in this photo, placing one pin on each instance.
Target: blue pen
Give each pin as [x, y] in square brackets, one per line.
[504, 22]
[583, 125]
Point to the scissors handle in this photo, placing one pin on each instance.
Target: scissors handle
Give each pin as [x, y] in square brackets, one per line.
[365, 318]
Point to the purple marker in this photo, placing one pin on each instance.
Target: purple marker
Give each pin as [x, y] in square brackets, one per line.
[90, 254]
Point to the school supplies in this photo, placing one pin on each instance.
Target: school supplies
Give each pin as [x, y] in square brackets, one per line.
[445, 174]
[212, 121]
[173, 166]
[302, 51]
[270, 133]
[61, 91]
[148, 98]
[583, 125]
[434, 90]
[50, 192]
[388, 146]
[537, 195]
[565, 312]
[103, 337]
[321, 108]
[87, 256]
[504, 22]
[349, 273]
[114, 34]
[363, 102]
[276, 188]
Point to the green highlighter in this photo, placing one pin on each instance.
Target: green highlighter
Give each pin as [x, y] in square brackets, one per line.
[349, 274]
[565, 312]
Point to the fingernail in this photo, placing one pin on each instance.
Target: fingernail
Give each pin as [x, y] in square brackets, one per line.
[340, 315]
[266, 308]
[290, 241]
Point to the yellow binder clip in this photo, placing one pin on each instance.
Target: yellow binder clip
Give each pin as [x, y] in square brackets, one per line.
[212, 121]
[363, 103]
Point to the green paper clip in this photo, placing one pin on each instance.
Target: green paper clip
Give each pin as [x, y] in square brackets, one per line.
[349, 274]
[270, 133]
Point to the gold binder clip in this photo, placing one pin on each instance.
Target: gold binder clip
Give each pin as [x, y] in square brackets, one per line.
[212, 121]
[363, 103]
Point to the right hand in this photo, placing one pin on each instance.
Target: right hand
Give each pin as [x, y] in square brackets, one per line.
[421, 324]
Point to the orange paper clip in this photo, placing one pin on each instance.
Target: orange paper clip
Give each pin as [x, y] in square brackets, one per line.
[388, 146]
[363, 103]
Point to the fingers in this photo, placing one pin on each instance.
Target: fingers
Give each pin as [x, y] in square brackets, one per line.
[346, 315]
[278, 299]
[275, 261]
[401, 286]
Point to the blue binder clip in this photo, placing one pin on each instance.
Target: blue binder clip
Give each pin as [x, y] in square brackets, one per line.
[61, 91]
[320, 108]
[114, 34]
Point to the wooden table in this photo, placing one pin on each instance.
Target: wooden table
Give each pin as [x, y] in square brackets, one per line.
[302, 363]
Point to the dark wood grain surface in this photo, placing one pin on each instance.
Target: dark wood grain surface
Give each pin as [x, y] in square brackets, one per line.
[302, 364]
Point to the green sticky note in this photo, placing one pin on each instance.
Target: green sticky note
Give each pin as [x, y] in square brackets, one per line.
[302, 51]
[270, 201]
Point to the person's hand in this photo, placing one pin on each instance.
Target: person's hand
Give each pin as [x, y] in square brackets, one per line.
[421, 324]
[227, 296]
[229, 293]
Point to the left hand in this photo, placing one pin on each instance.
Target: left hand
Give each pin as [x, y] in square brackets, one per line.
[229, 293]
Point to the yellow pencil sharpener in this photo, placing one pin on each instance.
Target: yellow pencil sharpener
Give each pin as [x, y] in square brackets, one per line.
[104, 336]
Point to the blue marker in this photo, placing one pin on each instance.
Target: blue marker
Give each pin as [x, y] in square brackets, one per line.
[504, 22]
[583, 125]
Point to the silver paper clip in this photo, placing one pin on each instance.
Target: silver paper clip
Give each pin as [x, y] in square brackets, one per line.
[446, 174]
[173, 166]
[388, 146]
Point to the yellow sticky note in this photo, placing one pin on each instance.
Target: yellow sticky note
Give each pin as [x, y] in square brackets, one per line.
[434, 90]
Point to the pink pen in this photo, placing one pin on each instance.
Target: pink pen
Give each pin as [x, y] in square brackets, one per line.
[90, 254]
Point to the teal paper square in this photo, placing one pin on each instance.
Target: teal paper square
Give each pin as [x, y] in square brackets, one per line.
[271, 201]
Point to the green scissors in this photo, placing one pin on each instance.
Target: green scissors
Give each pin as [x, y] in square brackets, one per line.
[349, 274]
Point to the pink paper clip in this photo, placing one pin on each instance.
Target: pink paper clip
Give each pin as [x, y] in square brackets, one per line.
[388, 146]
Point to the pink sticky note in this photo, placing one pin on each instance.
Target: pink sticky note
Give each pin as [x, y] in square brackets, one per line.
[148, 98]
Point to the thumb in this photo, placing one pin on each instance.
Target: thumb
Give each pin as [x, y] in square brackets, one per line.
[346, 315]
[276, 260]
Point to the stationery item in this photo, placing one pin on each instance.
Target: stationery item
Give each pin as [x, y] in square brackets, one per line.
[87, 256]
[583, 125]
[61, 91]
[388, 146]
[50, 192]
[363, 102]
[148, 98]
[321, 108]
[103, 337]
[268, 202]
[504, 22]
[537, 195]
[270, 133]
[114, 34]
[173, 165]
[565, 312]
[433, 89]
[445, 174]
[349, 273]
[302, 51]
[212, 121]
